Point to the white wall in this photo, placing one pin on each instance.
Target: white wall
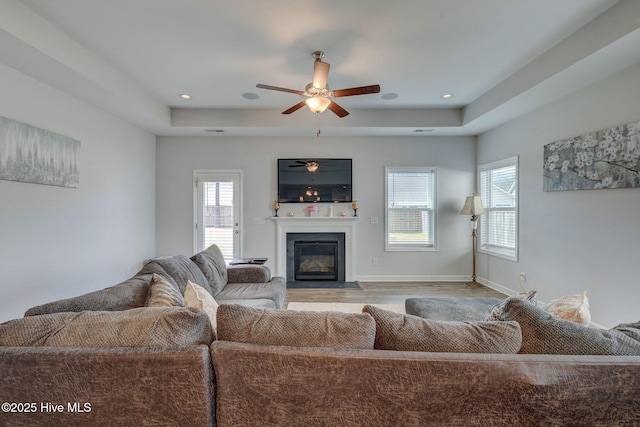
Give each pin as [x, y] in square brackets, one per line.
[60, 242]
[177, 157]
[572, 241]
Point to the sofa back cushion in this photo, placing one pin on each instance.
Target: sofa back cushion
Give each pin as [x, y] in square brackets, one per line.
[139, 327]
[404, 332]
[543, 333]
[211, 263]
[295, 328]
[177, 270]
[129, 294]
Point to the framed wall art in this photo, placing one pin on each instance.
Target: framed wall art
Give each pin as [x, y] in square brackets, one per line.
[31, 154]
[608, 158]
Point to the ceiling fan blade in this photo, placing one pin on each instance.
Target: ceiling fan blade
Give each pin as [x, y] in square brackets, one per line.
[280, 89]
[296, 107]
[320, 74]
[338, 110]
[363, 90]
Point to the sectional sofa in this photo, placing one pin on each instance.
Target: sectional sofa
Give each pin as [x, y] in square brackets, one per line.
[104, 359]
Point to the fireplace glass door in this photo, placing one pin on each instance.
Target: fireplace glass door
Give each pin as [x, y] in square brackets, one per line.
[315, 260]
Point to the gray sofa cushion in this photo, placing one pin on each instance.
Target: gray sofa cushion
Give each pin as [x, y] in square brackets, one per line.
[177, 269]
[129, 294]
[274, 290]
[248, 273]
[404, 332]
[295, 328]
[461, 309]
[138, 327]
[543, 333]
[212, 265]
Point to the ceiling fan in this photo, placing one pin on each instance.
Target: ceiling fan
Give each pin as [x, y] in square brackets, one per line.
[311, 165]
[317, 94]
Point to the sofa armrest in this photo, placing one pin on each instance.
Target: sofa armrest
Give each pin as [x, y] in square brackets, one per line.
[248, 273]
[113, 386]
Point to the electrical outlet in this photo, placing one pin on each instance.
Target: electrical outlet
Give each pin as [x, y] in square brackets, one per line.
[376, 262]
[523, 277]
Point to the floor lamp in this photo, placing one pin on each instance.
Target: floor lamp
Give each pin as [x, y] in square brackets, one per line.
[473, 206]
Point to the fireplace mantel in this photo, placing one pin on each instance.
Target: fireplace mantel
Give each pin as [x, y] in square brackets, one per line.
[314, 225]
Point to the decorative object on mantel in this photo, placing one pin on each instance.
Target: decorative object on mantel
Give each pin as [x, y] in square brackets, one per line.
[313, 210]
[473, 206]
[38, 156]
[355, 207]
[343, 213]
[290, 213]
[276, 208]
[608, 158]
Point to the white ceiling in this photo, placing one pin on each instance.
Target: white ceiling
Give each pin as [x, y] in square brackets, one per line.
[500, 58]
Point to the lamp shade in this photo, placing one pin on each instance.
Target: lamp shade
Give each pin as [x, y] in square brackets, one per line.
[473, 206]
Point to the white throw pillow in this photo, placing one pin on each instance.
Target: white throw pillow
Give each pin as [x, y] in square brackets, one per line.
[197, 296]
[574, 308]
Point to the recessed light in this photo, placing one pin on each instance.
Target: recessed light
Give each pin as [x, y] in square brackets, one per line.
[250, 95]
[447, 96]
[214, 130]
[389, 96]
[185, 96]
[422, 130]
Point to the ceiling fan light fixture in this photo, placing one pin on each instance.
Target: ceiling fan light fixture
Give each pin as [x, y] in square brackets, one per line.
[312, 166]
[317, 104]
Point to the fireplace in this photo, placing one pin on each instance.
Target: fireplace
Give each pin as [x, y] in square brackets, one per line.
[316, 256]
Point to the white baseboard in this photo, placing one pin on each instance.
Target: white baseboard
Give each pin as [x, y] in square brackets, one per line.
[408, 278]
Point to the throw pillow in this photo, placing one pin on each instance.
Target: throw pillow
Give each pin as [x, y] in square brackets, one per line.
[571, 307]
[138, 327]
[198, 297]
[163, 294]
[497, 311]
[404, 332]
[295, 328]
[543, 333]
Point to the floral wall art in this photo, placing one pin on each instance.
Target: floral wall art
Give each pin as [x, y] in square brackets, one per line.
[608, 158]
[31, 154]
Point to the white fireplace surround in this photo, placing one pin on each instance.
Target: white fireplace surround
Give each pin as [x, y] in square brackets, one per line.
[314, 225]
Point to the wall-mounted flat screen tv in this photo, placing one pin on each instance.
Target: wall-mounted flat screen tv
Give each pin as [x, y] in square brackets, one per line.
[314, 180]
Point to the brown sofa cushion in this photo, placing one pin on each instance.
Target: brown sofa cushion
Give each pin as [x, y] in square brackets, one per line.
[295, 328]
[404, 332]
[211, 263]
[139, 327]
[543, 333]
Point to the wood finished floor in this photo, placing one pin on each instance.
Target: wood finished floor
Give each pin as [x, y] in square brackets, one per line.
[390, 292]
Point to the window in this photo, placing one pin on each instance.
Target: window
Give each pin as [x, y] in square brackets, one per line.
[499, 192]
[410, 209]
[217, 211]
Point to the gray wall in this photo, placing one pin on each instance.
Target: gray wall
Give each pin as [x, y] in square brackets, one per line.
[177, 157]
[60, 242]
[572, 241]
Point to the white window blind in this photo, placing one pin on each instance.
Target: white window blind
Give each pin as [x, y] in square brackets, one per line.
[499, 193]
[410, 208]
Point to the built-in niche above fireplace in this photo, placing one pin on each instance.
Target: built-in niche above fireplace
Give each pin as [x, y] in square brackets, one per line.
[315, 225]
[315, 256]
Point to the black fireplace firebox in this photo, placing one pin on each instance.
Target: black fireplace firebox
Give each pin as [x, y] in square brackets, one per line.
[315, 256]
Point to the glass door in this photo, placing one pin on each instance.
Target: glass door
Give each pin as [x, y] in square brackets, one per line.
[217, 211]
